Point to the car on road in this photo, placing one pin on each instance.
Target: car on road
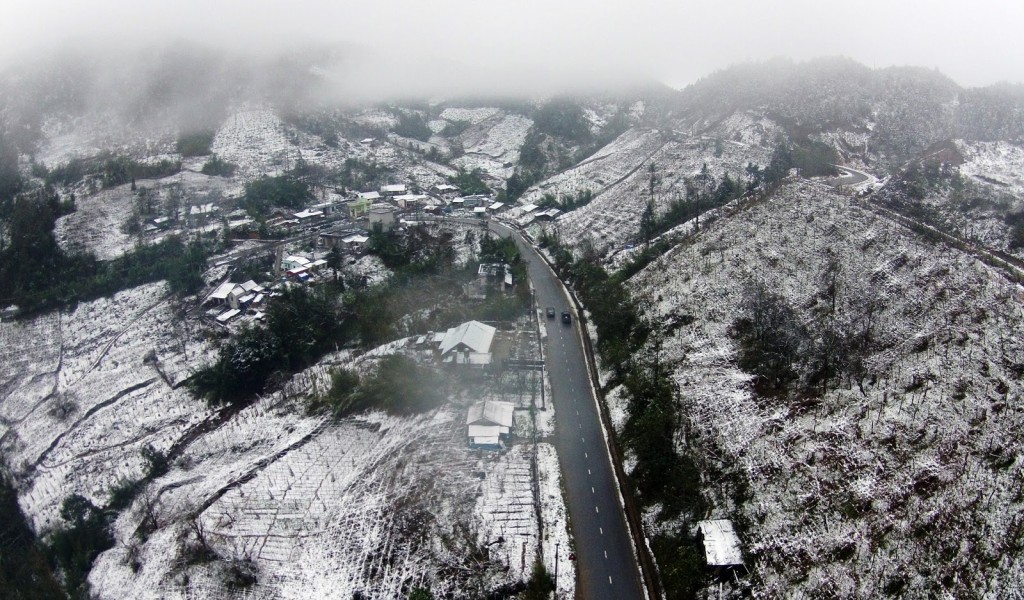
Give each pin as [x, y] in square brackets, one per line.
[551, 312]
[566, 317]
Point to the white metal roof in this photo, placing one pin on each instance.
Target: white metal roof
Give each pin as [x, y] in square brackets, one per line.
[308, 213]
[228, 315]
[490, 412]
[479, 209]
[721, 545]
[298, 260]
[398, 187]
[473, 334]
[355, 239]
[221, 293]
[369, 195]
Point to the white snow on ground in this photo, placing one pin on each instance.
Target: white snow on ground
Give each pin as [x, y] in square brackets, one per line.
[473, 115]
[612, 219]
[603, 169]
[255, 140]
[748, 129]
[999, 161]
[856, 492]
[495, 148]
[371, 267]
[377, 118]
[371, 504]
[96, 224]
[80, 404]
[81, 137]
[557, 544]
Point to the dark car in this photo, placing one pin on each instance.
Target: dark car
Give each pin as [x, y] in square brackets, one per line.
[566, 318]
[551, 312]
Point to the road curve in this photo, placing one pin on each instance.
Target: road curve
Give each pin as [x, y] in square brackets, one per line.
[605, 563]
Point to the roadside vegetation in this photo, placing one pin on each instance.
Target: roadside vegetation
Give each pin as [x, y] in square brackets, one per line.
[663, 478]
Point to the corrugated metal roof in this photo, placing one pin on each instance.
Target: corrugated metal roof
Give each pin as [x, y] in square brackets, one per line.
[490, 412]
[473, 334]
[221, 293]
[721, 544]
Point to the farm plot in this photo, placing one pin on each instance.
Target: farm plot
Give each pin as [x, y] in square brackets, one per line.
[82, 404]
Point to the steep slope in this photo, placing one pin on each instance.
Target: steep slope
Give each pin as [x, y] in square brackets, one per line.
[887, 460]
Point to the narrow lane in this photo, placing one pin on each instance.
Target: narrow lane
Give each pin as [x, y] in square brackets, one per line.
[606, 566]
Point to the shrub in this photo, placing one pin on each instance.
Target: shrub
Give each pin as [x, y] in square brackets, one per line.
[195, 143]
[218, 167]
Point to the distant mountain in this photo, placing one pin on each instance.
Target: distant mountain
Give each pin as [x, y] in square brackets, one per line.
[903, 110]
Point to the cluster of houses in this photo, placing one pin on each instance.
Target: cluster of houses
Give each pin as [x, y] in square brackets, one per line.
[229, 300]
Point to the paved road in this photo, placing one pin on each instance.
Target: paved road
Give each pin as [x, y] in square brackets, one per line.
[605, 563]
[849, 177]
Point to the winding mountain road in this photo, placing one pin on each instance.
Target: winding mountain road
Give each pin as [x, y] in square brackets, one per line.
[606, 565]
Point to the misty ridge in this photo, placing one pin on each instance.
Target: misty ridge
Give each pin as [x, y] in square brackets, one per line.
[184, 85]
[168, 87]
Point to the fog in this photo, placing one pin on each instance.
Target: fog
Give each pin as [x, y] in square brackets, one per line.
[457, 46]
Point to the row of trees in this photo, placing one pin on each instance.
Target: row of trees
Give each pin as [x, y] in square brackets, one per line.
[111, 169]
[566, 202]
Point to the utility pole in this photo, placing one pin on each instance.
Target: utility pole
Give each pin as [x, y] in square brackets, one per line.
[556, 568]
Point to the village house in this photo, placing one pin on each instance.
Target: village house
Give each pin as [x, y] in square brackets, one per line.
[444, 190]
[360, 206]
[468, 344]
[396, 189]
[236, 295]
[202, 213]
[489, 424]
[411, 201]
[383, 214]
[308, 216]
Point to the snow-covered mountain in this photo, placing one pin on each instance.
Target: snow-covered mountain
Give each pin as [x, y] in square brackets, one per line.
[898, 473]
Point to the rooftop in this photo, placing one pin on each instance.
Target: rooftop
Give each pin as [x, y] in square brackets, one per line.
[473, 334]
[490, 412]
[721, 544]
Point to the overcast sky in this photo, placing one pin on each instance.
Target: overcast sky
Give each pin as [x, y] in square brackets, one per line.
[976, 43]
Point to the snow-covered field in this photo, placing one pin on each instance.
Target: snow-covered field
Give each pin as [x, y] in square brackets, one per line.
[372, 504]
[79, 404]
[612, 219]
[493, 145]
[908, 479]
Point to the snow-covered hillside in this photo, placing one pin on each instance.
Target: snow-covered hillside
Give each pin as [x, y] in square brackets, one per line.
[620, 177]
[904, 479]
